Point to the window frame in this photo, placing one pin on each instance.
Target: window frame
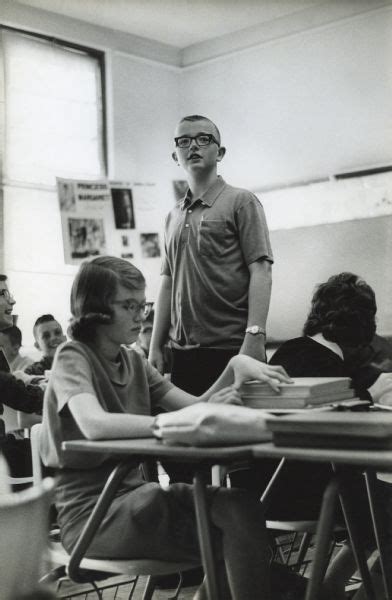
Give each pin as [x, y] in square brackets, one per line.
[93, 52]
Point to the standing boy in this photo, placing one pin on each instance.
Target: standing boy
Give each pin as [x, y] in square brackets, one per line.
[216, 275]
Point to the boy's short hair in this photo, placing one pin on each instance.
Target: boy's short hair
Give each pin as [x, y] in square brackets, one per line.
[193, 118]
[14, 335]
[94, 288]
[43, 319]
[344, 310]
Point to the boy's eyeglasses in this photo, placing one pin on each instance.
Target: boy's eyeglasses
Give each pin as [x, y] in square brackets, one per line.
[135, 308]
[202, 139]
[7, 295]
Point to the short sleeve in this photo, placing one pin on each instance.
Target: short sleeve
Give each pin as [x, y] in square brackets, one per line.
[71, 375]
[253, 231]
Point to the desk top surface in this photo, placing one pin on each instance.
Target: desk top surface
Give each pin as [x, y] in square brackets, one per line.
[145, 447]
[379, 459]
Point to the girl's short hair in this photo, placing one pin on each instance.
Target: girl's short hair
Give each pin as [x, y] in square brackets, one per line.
[344, 310]
[93, 290]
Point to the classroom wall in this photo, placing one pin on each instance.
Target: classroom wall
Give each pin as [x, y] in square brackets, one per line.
[304, 106]
[142, 107]
[300, 109]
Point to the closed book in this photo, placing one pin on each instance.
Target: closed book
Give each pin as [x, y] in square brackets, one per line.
[333, 429]
[302, 387]
[296, 401]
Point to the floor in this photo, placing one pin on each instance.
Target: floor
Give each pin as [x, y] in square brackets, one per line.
[123, 592]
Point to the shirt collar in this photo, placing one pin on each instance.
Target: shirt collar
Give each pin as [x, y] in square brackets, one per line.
[209, 196]
[318, 337]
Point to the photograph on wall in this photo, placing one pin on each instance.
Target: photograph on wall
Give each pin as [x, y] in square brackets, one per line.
[66, 194]
[125, 241]
[150, 245]
[86, 237]
[180, 187]
[124, 216]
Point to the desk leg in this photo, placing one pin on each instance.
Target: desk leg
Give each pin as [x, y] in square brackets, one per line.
[371, 481]
[355, 538]
[95, 519]
[205, 540]
[323, 540]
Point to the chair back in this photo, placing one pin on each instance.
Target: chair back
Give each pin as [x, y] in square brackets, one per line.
[24, 525]
[35, 433]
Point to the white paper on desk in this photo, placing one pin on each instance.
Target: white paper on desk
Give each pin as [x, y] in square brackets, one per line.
[204, 424]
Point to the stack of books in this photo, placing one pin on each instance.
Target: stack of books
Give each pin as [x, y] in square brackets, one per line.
[304, 392]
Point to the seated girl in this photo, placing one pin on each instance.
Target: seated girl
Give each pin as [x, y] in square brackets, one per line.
[101, 390]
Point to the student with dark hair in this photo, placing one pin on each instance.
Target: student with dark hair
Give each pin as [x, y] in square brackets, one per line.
[342, 314]
[11, 342]
[100, 389]
[16, 395]
[48, 336]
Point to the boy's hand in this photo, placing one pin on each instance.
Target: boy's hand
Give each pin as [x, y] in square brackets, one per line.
[246, 368]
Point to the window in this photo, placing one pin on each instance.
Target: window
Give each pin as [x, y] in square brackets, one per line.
[54, 116]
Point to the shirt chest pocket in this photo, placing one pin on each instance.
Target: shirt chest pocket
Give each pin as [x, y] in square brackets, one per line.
[213, 237]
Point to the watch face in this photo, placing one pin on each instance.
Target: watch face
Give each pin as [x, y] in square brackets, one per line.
[254, 329]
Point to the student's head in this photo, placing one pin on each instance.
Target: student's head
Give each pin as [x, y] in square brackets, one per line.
[344, 310]
[6, 304]
[198, 144]
[146, 331]
[11, 341]
[107, 296]
[48, 335]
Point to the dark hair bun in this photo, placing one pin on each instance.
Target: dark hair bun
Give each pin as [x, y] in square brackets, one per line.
[83, 328]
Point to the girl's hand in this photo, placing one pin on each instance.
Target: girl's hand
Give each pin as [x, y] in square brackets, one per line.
[227, 395]
[246, 368]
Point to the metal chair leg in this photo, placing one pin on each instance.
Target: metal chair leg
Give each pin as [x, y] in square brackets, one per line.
[370, 479]
[323, 539]
[355, 538]
[150, 588]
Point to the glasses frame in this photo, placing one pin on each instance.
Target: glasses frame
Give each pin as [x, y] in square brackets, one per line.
[7, 295]
[212, 139]
[144, 307]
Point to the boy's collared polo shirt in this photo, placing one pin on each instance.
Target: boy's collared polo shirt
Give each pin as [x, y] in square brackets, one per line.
[209, 243]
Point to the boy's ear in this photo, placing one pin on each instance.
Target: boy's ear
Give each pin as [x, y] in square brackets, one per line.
[36, 345]
[221, 153]
[175, 157]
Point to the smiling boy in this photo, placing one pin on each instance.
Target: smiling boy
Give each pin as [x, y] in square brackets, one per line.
[216, 274]
[48, 336]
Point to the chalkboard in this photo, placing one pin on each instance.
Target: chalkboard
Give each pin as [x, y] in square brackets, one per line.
[307, 256]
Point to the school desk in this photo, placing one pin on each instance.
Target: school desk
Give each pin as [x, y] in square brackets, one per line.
[198, 458]
[342, 460]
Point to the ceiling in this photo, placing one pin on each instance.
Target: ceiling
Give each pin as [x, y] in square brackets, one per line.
[180, 23]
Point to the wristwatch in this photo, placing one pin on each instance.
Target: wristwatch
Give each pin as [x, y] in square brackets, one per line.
[255, 330]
